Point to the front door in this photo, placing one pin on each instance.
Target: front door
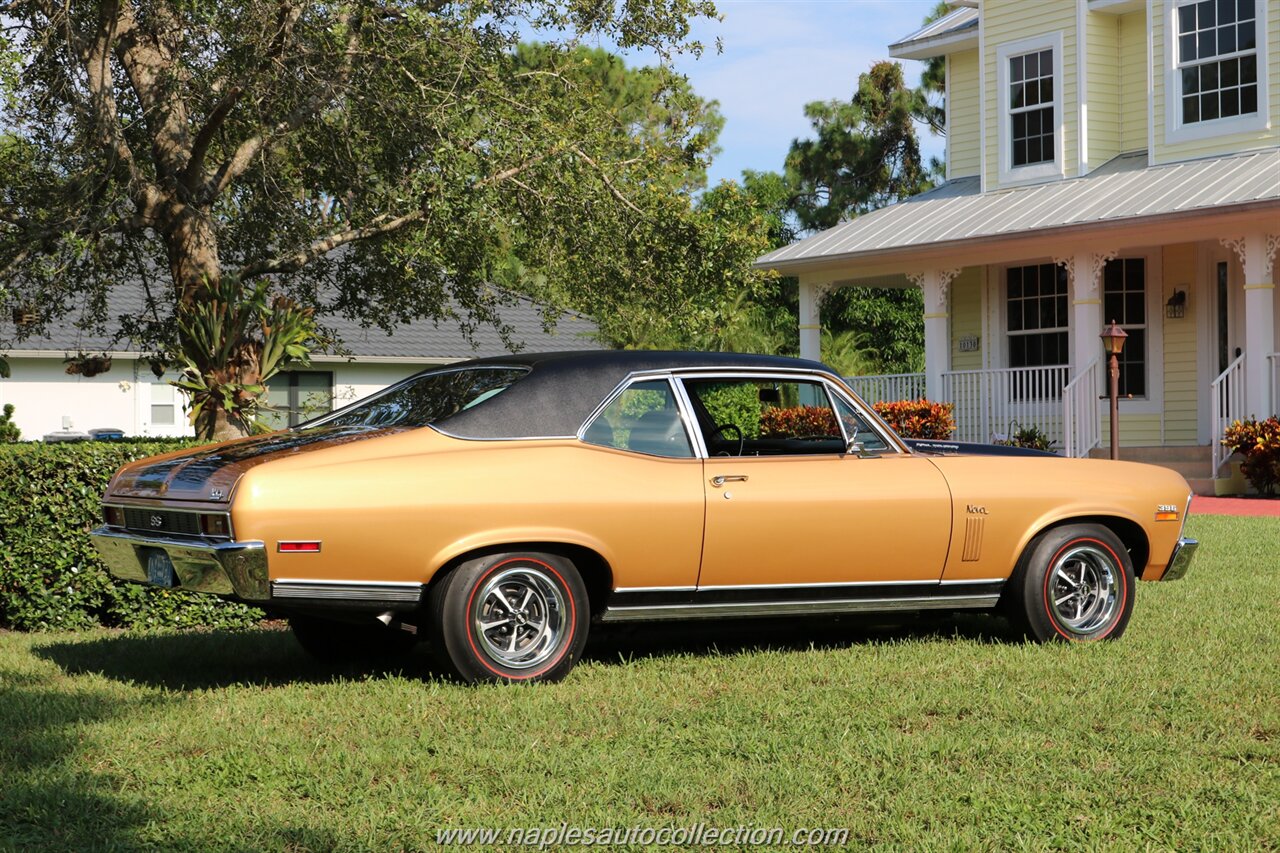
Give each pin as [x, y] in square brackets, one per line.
[1224, 327]
[787, 506]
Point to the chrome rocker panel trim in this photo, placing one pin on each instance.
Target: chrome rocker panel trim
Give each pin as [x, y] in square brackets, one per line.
[220, 568]
[736, 609]
[1180, 559]
[380, 594]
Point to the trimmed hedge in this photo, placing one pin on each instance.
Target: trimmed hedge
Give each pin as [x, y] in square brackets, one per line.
[50, 573]
[918, 418]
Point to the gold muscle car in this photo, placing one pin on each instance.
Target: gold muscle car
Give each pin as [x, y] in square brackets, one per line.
[499, 507]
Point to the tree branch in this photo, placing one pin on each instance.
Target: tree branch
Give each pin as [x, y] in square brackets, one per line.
[608, 183]
[380, 226]
[235, 166]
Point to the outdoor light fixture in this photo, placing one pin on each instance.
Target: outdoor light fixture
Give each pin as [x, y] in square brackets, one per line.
[1176, 307]
[1113, 338]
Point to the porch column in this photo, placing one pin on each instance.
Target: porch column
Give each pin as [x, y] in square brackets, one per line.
[936, 284]
[811, 295]
[1084, 271]
[1257, 251]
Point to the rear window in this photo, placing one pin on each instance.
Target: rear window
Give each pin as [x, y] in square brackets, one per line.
[425, 399]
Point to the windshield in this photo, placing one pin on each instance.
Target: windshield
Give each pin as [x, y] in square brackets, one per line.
[425, 399]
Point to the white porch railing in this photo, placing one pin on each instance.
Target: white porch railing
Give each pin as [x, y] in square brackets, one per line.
[991, 403]
[888, 387]
[1227, 396]
[1081, 424]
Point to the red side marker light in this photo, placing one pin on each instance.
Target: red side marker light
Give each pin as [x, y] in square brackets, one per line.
[298, 547]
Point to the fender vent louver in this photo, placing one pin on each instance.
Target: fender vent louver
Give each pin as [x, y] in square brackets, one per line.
[972, 539]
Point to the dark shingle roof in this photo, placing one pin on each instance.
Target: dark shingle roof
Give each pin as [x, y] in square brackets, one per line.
[424, 339]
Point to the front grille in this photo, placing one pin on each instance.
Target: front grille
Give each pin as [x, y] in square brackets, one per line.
[174, 522]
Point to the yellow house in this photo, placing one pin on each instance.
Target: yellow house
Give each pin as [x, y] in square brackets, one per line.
[1106, 160]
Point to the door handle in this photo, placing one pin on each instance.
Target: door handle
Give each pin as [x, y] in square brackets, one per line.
[720, 479]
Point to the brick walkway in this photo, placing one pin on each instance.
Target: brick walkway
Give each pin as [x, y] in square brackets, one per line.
[1267, 508]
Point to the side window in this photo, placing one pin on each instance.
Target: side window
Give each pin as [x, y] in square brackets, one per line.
[857, 428]
[643, 419]
[759, 417]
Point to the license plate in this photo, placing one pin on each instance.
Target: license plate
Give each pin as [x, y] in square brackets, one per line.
[160, 569]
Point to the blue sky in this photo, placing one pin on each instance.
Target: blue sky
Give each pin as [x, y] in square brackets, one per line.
[780, 54]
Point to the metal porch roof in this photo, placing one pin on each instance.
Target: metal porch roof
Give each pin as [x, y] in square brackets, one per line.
[958, 24]
[1125, 188]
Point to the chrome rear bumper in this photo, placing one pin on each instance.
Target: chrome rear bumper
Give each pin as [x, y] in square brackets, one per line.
[220, 568]
[1180, 559]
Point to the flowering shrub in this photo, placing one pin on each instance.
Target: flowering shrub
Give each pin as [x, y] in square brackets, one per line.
[1259, 443]
[918, 418]
[799, 422]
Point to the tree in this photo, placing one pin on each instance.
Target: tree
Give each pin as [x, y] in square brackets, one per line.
[865, 154]
[374, 159]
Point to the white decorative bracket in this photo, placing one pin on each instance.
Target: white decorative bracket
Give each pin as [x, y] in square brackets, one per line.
[944, 277]
[1235, 244]
[1239, 245]
[1086, 289]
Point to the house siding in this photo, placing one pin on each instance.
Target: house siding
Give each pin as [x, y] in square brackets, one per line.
[1136, 430]
[964, 132]
[966, 318]
[1132, 48]
[43, 394]
[1103, 84]
[1007, 21]
[1166, 150]
[1181, 380]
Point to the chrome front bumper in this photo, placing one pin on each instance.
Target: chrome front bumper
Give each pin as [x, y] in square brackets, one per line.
[1180, 559]
[220, 568]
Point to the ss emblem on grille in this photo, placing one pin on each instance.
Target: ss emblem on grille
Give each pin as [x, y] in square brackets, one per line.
[157, 521]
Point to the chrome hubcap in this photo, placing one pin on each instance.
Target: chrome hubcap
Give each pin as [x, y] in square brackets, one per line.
[521, 617]
[1084, 589]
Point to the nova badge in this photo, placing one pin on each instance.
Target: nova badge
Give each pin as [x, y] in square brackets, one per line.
[974, 509]
[216, 494]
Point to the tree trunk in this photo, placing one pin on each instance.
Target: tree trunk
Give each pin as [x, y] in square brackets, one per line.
[191, 242]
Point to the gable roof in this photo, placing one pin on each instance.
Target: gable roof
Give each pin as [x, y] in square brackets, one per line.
[1124, 190]
[419, 341]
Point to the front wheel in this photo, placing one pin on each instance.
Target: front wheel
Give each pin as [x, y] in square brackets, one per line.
[510, 617]
[1074, 583]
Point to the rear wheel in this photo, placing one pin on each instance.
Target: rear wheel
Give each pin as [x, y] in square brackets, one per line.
[332, 641]
[1074, 583]
[518, 616]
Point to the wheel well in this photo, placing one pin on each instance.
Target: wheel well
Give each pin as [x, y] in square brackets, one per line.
[1130, 533]
[597, 576]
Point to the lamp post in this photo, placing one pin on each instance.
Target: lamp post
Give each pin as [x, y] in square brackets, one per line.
[1113, 342]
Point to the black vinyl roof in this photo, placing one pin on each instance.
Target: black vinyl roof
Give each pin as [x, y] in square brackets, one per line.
[563, 388]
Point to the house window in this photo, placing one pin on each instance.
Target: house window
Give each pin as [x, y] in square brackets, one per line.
[297, 396]
[164, 404]
[1037, 316]
[1029, 87]
[1124, 301]
[1031, 118]
[1217, 59]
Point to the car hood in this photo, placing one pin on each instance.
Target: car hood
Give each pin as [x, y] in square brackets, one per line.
[210, 473]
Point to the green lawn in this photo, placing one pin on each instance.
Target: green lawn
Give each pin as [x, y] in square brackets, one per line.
[936, 735]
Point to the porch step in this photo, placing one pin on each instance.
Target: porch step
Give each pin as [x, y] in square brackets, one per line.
[1190, 461]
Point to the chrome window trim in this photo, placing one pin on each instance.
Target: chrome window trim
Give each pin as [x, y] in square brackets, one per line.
[697, 451]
